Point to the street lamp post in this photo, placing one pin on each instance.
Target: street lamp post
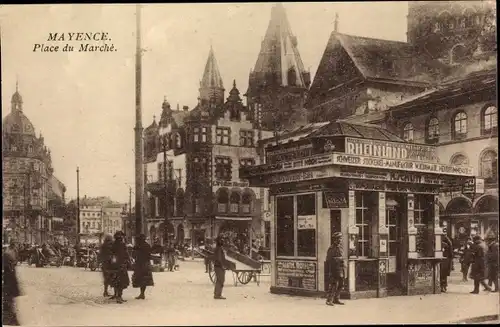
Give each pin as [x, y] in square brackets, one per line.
[77, 205]
[139, 157]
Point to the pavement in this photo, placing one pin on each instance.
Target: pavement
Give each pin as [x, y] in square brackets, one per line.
[70, 296]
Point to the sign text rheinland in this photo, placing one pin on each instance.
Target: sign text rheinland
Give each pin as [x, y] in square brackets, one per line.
[390, 150]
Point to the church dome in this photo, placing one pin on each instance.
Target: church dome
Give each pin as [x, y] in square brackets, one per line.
[17, 123]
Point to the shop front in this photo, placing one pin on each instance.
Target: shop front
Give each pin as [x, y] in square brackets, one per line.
[381, 194]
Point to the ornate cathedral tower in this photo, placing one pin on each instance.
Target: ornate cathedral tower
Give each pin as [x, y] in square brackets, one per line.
[278, 84]
[211, 86]
[454, 32]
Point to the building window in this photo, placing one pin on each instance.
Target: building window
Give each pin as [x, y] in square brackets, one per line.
[392, 227]
[408, 132]
[178, 140]
[459, 160]
[488, 166]
[197, 205]
[433, 129]
[246, 202]
[285, 240]
[222, 200]
[235, 202]
[201, 166]
[246, 138]
[306, 225]
[489, 120]
[460, 125]
[363, 222]
[223, 135]
[247, 162]
[200, 134]
[180, 203]
[223, 168]
[419, 211]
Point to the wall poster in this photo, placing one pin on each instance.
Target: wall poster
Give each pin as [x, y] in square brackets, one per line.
[296, 274]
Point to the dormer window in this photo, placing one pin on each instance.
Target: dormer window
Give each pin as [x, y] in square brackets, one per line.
[408, 132]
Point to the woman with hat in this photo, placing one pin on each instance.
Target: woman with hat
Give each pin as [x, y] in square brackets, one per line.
[105, 254]
[143, 275]
[119, 261]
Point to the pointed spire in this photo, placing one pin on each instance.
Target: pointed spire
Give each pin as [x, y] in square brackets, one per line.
[17, 83]
[336, 23]
[178, 106]
[279, 55]
[211, 82]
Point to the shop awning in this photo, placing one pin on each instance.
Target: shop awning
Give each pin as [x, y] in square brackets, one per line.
[234, 218]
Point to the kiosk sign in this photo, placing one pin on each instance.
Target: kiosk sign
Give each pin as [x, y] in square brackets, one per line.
[390, 150]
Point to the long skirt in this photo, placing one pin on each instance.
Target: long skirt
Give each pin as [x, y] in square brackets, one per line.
[143, 276]
[119, 278]
[107, 274]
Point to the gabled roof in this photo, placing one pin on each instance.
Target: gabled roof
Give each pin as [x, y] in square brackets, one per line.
[382, 59]
[375, 59]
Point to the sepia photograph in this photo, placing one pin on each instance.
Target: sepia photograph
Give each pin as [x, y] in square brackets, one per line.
[259, 163]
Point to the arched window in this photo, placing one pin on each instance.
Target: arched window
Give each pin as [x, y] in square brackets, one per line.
[460, 125]
[459, 160]
[488, 166]
[433, 129]
[246, 202]
[489, 120]
[222, 200]
[235, 202]
[408, 132]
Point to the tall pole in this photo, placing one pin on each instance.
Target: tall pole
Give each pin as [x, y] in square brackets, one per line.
[129, 220]
[77, 205]
[165, 230]
[139, 168]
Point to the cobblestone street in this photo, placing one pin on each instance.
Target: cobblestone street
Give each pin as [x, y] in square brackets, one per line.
[73, 297]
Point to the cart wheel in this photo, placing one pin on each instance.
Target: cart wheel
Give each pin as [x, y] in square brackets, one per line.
[211, 273]
[244, 277]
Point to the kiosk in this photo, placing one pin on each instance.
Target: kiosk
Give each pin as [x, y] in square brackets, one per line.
[380, 192]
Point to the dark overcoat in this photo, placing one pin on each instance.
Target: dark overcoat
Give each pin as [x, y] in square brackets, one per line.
[335, 262]
[105, 254]
[10, 284]
[143, 275]
[493, 256]
[447, 261]
[119, 265]
[479, 262]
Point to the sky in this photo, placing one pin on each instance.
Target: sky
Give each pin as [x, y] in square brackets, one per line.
[84, 103]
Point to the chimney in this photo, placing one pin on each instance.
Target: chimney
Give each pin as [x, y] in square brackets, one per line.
[185, 108]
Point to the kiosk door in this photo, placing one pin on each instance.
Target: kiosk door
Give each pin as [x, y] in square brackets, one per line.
[395, 250]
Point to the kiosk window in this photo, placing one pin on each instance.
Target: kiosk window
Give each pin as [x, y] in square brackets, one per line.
[363, 222]
[306, 225]
[285, 242]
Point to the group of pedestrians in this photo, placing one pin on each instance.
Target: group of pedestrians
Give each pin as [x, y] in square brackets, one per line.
[480, 257]
[116, 262]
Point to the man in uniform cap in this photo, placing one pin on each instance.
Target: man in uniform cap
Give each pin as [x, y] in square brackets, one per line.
[219, 268]
[335, 265]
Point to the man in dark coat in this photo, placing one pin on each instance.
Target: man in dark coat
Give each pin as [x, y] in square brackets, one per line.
[479, 264]
[105, 255]
[119, 262]
[446, 263]
[143, 274]
[219, 268]
[335, 265]
[466, 259]
[11, 288]
[492, 259]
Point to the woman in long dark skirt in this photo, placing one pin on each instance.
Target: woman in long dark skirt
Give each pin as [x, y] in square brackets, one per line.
[105, 255]
[143, 275]
[119, 264]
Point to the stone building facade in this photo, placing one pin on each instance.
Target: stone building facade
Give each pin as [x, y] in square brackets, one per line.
[27, 172]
